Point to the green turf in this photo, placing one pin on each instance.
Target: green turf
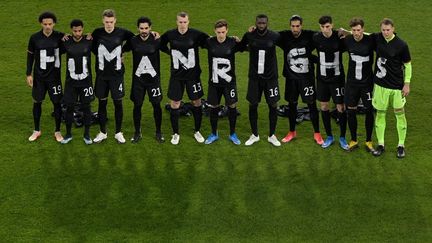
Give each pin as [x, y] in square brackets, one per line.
[223, 193]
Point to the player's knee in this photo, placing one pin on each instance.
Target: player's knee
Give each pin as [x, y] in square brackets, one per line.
[175, 104]
[272, 105]
[325, 106]
[196, 102]
[399, 111]
[340, 108]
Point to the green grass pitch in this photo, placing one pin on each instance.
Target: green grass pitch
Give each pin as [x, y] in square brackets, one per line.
[217, 193]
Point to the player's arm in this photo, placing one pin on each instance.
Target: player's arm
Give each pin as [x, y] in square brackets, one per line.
[406, 59]
[407, 79]
[30, 61]
[203, 39]
[243, 44]
[164, 43]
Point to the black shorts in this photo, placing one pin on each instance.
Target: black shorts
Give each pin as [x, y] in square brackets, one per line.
[257, 87]
[325, 91]
[215, 93]
[354, 93]
[303, 87]
[104, 86]
[54, 89]
[73, 94]
[140, 87]
[176, 88]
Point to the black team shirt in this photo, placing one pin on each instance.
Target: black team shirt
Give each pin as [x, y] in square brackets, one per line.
[391, 56]
[360, 62]
[262, 54]
[146, 58]
[107, 48]
[78, 61]
[297, 54]
[329, 68]
[46, 56]
[221, 61]
[184, 52]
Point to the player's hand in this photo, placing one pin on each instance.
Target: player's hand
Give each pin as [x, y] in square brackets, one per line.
[66, 37]
[122, 58]
[252, 28]
[405, 90]
[155, 34]
[29, 80]
[342, 33]
[89, 36]
[236, 38]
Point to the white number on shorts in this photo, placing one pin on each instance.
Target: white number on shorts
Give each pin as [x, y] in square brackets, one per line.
[369, 96]
[88, 91]
[156, 92]
[57, 89]
[274, 92]
[121, 87]
[232, 93]
[309, 91]
[340, 91]
[196, 87]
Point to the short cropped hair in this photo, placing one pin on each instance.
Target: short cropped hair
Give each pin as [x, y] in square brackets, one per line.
[144, 20]
[108, 13]
[261, 16]
[325, 19]
[221, 23]
[387, 21]
[47, 15]
[182, 14]
[76, 23]
[296, 17]
[356, 21]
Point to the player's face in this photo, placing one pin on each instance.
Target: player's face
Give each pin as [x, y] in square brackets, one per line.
[221, 32]
[387, 30]
[296, 27]
[47, 25]
[144, 30]
[77, 32]
[261, 24]
[182, 23]
[109, 23]
[357, 32]
[326, 28]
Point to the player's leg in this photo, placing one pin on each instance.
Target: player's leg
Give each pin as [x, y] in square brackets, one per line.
[101, 91]
[369, 116]
[137, 97]
[175, 94]
[38, 94]
[195, 92]
[323, 96]
[380, 101]
[271, 92]
[308, 93]
[117, 93]
[86, 96]
[213, 99]
[56, 95]
[254, 93]
[154, 91]
[69, 99]
[291, 95]
[338, 91]
[352, 97]
[230, 93]
[401, 122]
